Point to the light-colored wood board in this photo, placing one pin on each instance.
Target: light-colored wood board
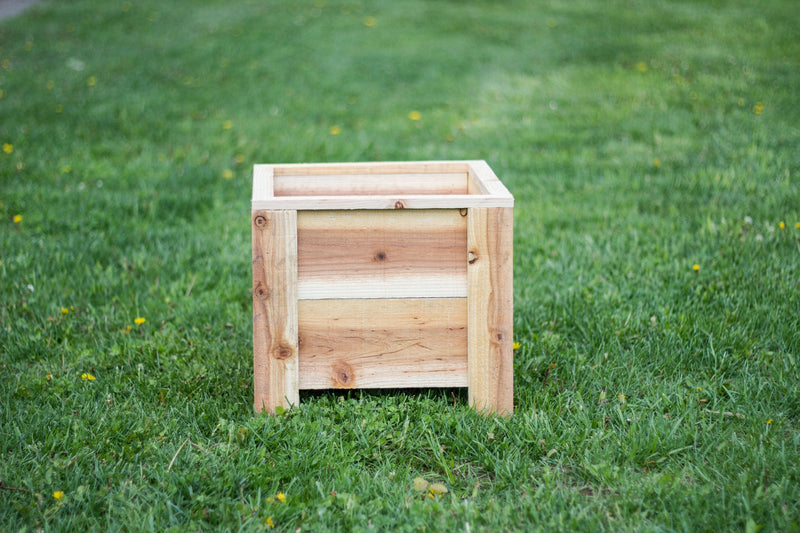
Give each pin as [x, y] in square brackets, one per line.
[474, 185]
[491, 310]
[263, 182]
[380, 254]
[394, 343]
[370, 184]
[488, 182]
[380, 167]
[324, 287]
[275, 350]
[386, 202]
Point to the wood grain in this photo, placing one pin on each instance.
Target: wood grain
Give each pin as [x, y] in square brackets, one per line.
[377, 167]
[383, 343]
[491, 310]
[407, 201]
[380, 254]
[275, 350]
[371, 184]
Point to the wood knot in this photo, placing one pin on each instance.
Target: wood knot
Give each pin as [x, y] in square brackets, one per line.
[472, 257]
[343, 375]
[399, 204]
[260, 221]
[283, 351]
[262, 291]
[380, 256]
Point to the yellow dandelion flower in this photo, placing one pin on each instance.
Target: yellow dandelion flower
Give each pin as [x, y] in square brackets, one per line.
[17, 219]
[758, 108]
[239, 158]
[64, 311]
[420, 484]
[415, 115]
[139, 320]
[228, 124]
[438, 489]
[270, 523]
[699, 388]
[797, 225]
[58, 494]
[370, 21]
[740, 101]
[656, 162]
[8, 148]
[335, 130]
[769, 422]
[59, 108]
[281, 497]
[92, 81]
[696, 267]
[782, 225]
[641, 66]
[1, 93]
[227, 174]
[516, 346]
[127, 329]
[87, 377]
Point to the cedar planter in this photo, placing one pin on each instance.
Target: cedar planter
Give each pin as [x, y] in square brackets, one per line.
[382, 275]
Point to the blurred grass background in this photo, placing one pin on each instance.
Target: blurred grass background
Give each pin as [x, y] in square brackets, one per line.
[652, 148]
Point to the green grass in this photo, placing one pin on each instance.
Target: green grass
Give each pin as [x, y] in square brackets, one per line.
[639, 139]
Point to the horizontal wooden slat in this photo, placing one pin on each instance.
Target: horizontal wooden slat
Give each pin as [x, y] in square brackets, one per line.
[370, 184]
[409, 286]
[395, 343]
[379, 254]
[379, 167]
[433, 201]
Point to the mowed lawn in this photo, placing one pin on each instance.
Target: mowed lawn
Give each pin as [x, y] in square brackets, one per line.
[653, 149]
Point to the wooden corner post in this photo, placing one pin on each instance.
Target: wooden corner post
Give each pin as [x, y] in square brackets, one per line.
[490, 302]
[275, 335]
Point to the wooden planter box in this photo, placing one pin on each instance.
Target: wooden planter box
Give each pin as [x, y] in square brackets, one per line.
[382, 275]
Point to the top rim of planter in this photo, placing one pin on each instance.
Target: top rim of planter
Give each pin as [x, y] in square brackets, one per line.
[384, 185]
